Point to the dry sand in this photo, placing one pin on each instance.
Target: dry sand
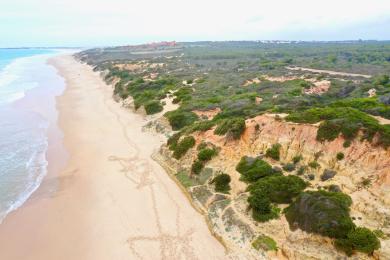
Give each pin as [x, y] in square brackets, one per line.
[112, 201]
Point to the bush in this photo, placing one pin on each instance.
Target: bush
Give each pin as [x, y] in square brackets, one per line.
[252, 169]
[265, 243]
[172, 141]
[343, 120]
[183, 146]
[274, 152]
[322, 212]
[179, 119]
[347, 143]
[202, 126]
[360, 239]
[279, 189]
[302, 170]
[196, 167]
[296, 159]
[232, 127]
[314, 164]
[222, 183]
[340, 156]
[153, 107]
[262, 210]
[206, 154]
[289, 167]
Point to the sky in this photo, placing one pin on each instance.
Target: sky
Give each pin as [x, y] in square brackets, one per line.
[89, 23]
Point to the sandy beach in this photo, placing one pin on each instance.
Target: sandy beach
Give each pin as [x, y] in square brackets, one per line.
[112, 201]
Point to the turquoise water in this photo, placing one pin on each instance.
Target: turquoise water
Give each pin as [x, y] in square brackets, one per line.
[23, 129]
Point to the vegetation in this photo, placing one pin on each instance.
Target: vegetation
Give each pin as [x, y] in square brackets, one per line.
[322, 212]
[264, 243]
[314, 164]
[197, 167]
[279, 189]
[296, 159]
[153, 107]
[340, 156]
[289, 167]
[222, 183]
[359, 239]
[346, 121]
[206, 154]
[179, 118]
[274, 152]
[262, 209]
[183, 146]
[232, 127]
[253, 169]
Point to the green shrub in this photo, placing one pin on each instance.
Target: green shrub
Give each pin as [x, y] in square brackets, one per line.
[347, 143]
[359, 239]
[183, 146]
[322, 212]
[232, 127]
[302, 170]
[279, 189]
[153, 107]
[179, 118]
[274, 152]
[172, 141]
[289, 167]
[314, 164]
[262, 210]
[202, 126]
[222, 183]
[206, 154]
[197, 167]
[296, 159]
[252, 169]
[340, 156]
[201, 146]
[265, 243]
[343, 120]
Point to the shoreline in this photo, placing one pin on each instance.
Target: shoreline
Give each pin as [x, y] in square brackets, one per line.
[113, 201]
[48, 89]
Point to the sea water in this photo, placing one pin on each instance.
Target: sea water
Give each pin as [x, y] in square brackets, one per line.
[23, 129]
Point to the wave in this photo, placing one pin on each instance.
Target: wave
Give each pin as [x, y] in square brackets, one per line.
[13, 83]
[36, 168]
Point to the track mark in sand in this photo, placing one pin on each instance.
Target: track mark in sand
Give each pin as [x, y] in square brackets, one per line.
[174, 247]
[139, 172]
[136, 167]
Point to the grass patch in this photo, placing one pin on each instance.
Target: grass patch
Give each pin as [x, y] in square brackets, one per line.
[264, 243]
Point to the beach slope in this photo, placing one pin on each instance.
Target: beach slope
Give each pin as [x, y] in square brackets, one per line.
[112, 201]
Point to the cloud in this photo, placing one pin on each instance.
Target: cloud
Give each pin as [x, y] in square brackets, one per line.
[97, 22]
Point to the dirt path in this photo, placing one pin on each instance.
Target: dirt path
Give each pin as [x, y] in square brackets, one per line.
[330, 72]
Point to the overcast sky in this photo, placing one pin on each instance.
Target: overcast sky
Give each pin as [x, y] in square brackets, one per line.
[119, 22]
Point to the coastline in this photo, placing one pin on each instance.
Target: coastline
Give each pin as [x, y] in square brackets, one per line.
[46, 85]
[112, 201]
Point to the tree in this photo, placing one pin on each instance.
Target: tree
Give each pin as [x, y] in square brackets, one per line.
[252, 169]
[222, 182]
[279, 189]
[361, 239]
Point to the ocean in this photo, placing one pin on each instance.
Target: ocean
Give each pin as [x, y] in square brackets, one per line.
[28, 86]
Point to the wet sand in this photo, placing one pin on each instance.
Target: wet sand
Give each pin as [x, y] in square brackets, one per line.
[112, 201]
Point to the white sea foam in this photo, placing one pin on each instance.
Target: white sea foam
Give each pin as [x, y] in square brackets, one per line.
[23, 140]
[36, 167]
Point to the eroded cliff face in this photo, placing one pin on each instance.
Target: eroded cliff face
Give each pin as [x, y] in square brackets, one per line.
[364, 174]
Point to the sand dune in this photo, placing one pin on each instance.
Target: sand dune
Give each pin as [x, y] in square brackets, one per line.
[112, 201]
